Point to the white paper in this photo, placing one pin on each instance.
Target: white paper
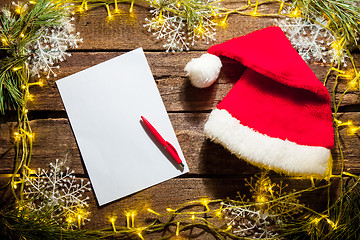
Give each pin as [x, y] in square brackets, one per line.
[104, 104]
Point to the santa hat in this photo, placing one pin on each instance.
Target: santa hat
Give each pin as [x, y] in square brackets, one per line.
[278, 113]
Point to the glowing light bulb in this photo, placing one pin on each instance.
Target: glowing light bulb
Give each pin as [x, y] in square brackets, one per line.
[4, 41]
[22, 35]
[295, 13]
[133, 219]
[352, 130]
[108, 11]
[218, 213]
[199, 30]
[316, 220]
[30, 136]
[331, 223]
[140, 236]
[29, 97]
[281, 7]
[131, 7]
[261, 199]
[178, 4]
[204, 201]
[160, 18]
[116, 7]
[18, 10]
[354, 84]
[16, 136]
[223, 23]
[152, 211]
[128, 219]
[79, 218]
[69, 219]
[228, 228]
[254, 13]
[338, 46]
[347, 123]
[112, 220]
[177, 229]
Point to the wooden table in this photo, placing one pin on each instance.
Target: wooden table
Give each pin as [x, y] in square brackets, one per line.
[214, 172]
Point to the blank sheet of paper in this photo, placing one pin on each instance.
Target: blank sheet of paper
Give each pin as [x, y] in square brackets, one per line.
[104, 104]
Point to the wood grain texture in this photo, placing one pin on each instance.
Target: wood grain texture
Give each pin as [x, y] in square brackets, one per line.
[127, 32]
[175, 88]
[54, 139]
[174, 192]
[214, 172]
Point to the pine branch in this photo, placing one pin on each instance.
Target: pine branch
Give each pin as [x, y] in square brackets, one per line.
[342, 222]
[344, 15]
[19, 29]
[37, 225]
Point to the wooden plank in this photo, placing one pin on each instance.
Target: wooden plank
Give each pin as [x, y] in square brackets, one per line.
[100, 33]
[174, 192]
[54, 139]
[175, 88]
[126, 31]
[350, 145]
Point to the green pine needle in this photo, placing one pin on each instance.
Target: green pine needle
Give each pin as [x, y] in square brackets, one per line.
[340, 221]
[18, 31]
[29, 225]
[344, 15]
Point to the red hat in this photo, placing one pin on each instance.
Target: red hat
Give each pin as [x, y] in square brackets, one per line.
[278, 113]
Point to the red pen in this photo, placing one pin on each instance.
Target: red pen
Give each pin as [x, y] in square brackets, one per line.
[168, 147]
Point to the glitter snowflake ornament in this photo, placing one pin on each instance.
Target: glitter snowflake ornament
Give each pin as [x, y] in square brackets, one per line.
[181, 31]
[308, 38]
[50, 48]
[246, 222]
[260, 221]
[312, 39]
[57, 188]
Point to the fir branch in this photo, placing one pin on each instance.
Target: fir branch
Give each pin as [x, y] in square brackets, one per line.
[341, 222]
[25, 224]
[344, 15]
[19, 30]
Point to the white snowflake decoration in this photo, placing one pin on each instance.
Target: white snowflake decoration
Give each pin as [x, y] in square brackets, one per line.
[312, 39]
[50, 48]
[174, 29]
[60, 189]
[246, 222]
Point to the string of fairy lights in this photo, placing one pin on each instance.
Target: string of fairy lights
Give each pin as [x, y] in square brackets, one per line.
[205, 15]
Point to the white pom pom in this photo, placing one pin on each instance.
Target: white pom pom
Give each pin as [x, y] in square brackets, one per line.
[203, 71]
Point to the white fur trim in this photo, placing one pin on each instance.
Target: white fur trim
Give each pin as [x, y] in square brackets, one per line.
[261, 150]
[203, 71]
